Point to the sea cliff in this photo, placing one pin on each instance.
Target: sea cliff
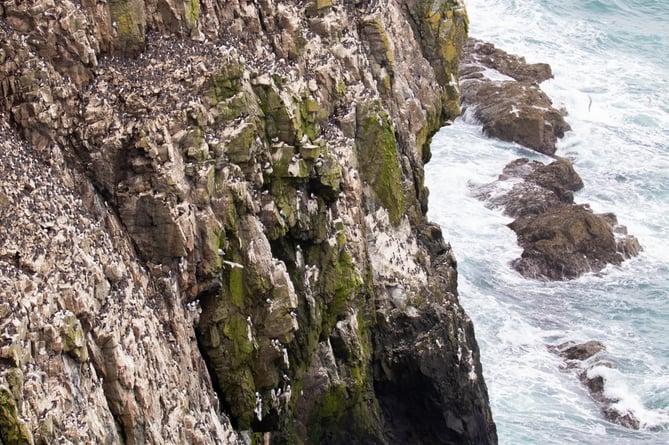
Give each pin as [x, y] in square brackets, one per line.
[213, 225]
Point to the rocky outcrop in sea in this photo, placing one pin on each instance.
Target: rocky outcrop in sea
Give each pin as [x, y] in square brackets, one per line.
[594, 368]
[502, 92]
[560, 239]
[213, 225]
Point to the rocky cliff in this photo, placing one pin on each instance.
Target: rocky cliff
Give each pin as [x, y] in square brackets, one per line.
[213, 225]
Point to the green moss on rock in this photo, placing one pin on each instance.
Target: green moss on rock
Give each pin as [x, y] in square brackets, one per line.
[240, 147]
[379, 160]
[443, 27]
[311, 113]
[129, 21]
[279, 121]
[12, 429]
[226, 83]
[344, 416]
[74, 338]
[192, 13]
[379, 42]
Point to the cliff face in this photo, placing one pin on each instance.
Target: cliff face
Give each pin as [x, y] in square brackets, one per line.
[213, 225]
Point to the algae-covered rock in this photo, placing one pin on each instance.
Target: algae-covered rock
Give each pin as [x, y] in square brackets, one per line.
[379, 159]
[129, 23]
[442, 26]
[12, 429]
[74, 339]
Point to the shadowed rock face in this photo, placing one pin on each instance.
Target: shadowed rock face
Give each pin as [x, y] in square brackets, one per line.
[504, 96]
[213, 225]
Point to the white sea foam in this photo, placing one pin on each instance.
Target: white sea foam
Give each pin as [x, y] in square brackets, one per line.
[617, 97]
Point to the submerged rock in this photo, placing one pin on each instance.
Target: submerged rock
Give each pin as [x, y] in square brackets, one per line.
[593, 369]
[501, 91]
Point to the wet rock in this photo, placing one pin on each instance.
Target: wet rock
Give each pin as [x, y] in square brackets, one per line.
[581, 351]
[503, 94]
[564, 242]
[593, 370]
[530, 187]
[560, 240]
[479, 55]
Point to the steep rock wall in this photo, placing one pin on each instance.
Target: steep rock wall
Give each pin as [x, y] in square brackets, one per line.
[214, 224]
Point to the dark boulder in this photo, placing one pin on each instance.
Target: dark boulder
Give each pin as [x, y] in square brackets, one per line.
[563, 243]
[561, 240]
[503, 93]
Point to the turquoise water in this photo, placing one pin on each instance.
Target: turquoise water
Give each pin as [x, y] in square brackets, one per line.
[615, 53]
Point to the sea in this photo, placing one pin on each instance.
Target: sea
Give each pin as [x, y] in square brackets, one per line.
[610, 60]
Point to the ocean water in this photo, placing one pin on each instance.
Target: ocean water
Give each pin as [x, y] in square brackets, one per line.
[615, 54]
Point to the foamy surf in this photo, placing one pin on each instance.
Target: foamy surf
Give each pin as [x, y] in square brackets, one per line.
[610, 71]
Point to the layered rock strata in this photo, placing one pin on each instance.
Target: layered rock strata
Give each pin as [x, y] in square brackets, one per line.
[213, 225]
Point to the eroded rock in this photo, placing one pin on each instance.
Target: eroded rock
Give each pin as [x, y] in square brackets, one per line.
[503, 94]
[560, 239]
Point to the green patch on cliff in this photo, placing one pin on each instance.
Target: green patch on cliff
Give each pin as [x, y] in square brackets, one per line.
[310, 115]
[341, 282]
[379, 160]
[279, 122]
[128, 20]
[226, 83]
[343, 416]
[192, 13]
[237, 329]
[12, 430]
[74, 338]
[379, 42]
[289, 118]
[240, 146]
[424, 137]
[443, 27]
